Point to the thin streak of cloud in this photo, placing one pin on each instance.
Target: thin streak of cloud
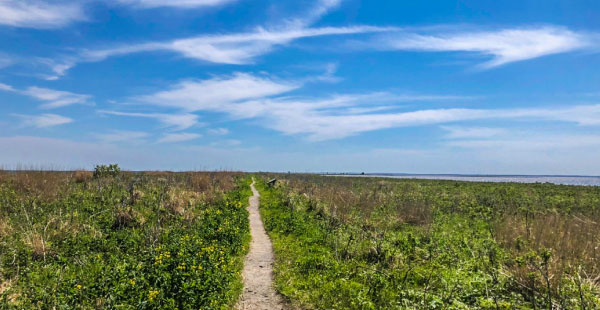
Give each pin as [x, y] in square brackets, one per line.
[503, 46]
[40, 14]
[6, 87]
[213, 93]
[338, 116]
[180, 121]
[182, 4]
[43, 120]
[52, 98]
[240, 48]
[235, 48]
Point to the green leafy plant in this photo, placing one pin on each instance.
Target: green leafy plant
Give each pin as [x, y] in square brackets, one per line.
[102, 171]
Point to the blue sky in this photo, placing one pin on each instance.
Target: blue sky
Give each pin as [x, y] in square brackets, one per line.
[500, 87]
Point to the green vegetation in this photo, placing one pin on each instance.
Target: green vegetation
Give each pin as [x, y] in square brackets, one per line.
[118, 240]
[367, 243]
[102, 171]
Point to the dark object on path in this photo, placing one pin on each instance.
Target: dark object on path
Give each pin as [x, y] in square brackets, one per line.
[271, 182]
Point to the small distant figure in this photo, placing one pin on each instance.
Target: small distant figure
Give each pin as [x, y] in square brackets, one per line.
[271, 182]
[362, 173]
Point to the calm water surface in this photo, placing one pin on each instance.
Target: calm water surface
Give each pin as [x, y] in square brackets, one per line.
[565, 180]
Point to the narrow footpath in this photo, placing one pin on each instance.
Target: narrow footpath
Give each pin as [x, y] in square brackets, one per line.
[258, 293]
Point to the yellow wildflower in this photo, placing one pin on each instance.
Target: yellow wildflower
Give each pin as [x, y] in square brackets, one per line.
[152, 294]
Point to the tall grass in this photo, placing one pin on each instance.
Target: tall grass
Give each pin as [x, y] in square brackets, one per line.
[156, 240]
[528, 245]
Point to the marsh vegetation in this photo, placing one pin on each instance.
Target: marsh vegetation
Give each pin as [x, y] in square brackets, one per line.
[160, 240]
[371, 243]
[121, 240]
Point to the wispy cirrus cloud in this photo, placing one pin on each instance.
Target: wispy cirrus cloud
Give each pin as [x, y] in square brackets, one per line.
[6, 87]
[232, 48]
[341, 115]
[218, 92]
[237, 49]
[44, 14]
[502, 46]
[55, 98]
[244, 96]
[185, 4]
[313, 14]
[51, 98]
[40, 14]
[43, 120]
[179, 121]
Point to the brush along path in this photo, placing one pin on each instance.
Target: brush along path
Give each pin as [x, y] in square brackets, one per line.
[258, 267]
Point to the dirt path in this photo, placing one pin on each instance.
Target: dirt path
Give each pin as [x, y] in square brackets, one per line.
[258, 267]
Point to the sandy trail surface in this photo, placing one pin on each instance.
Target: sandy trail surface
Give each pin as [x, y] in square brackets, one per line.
[258, 267]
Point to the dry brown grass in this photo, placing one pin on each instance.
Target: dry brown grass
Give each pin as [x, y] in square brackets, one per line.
[342, 196]
[4, 285]
[38, 245]
[39, 184]
[5, 228]
[82, 176]
[574, 242]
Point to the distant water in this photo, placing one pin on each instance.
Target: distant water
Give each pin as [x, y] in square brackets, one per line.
[564, 180]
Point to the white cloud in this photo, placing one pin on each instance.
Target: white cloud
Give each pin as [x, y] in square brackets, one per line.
[243, 96]
[239, 48]
[115, 136]
[329, 74]
[43, 120]
[52, 98]
[242, 48]
[234, 48]
[176, 121]
[178, 137]
[186, 4]
[58, 67]
[6, 87]
[319, 9]
[39, 14]
[503, 46]
[216, 93]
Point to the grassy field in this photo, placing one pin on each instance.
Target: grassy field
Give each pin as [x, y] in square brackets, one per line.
[158, 240]
[367, 243]
[121, 240]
